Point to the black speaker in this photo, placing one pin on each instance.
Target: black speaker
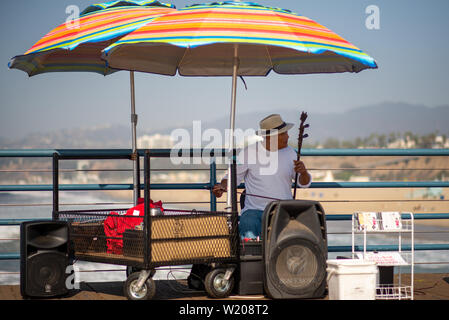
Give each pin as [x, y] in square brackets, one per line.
[249, 274]
[44, 257]
[294, 249]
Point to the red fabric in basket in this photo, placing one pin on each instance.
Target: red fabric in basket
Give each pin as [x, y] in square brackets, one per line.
[115, 224]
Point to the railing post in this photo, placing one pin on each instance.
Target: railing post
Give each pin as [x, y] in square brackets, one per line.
[147, 218]
[234, 181]
[212, 182]
[137, 177]
[55, 212]
[235, 214]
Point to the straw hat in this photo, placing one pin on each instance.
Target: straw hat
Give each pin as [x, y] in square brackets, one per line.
[273, 124]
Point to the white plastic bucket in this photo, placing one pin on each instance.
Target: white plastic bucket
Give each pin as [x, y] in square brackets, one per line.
[351, 279]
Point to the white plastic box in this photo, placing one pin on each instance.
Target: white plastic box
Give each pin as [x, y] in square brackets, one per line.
[351, 279]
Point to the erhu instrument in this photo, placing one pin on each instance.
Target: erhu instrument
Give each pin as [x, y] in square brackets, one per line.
[301, 136]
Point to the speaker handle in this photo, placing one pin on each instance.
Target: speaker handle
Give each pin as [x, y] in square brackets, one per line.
[268, 209]
[322, 217]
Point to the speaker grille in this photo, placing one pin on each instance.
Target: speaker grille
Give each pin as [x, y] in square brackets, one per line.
[46, 273]
[297, 266]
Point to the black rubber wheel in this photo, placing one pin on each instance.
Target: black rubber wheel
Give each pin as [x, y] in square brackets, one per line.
[216, 286]
[147, 291]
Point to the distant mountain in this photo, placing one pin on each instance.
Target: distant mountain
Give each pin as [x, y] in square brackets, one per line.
[384, 118]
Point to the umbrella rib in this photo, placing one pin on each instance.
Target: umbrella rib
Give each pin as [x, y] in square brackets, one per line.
[269, 57]
[182, 59]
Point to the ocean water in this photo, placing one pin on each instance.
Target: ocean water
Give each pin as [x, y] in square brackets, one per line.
[32, 206]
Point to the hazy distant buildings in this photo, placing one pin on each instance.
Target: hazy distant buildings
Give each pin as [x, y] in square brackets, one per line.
[402, 143]
[155, 141]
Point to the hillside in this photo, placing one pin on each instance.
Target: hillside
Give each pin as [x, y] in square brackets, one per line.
[385, 118]
[361, 122]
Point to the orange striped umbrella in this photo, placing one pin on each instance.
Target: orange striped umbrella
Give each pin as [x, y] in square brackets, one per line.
[77, 45]
[199, 40]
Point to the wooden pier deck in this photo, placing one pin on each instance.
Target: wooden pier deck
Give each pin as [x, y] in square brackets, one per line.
[428, 286]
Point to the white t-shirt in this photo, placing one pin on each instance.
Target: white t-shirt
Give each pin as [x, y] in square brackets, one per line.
[266, 173]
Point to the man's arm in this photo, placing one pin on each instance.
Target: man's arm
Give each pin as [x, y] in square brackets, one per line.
[304, 178]
[242, 169]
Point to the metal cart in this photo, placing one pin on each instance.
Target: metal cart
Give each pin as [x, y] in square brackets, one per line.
[145, 242]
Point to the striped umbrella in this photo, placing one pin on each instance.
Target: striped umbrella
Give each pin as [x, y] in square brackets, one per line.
[200, 40]
[77, 46]
[235, 39]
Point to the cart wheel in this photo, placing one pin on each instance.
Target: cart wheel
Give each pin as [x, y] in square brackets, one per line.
[216, 285]
[147, 291]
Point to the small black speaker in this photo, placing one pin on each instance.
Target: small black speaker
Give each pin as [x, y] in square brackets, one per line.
[44, 257]
[294, 249]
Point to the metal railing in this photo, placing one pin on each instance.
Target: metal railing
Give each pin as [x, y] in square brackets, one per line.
[76, 154]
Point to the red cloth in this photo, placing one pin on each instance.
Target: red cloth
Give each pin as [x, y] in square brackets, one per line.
[115, 224]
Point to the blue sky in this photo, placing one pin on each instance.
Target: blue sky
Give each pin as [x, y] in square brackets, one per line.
[410, 47]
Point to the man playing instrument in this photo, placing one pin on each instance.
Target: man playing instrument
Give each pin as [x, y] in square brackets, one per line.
[268, 169]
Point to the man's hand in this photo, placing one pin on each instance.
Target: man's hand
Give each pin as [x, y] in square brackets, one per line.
[300, 167]
[134, 156]
[304, 178]
[220, 188]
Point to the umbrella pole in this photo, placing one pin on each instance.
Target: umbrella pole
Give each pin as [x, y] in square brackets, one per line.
[230, 203]
[136, 177]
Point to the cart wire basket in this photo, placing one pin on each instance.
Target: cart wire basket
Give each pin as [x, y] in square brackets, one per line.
[175, 238]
